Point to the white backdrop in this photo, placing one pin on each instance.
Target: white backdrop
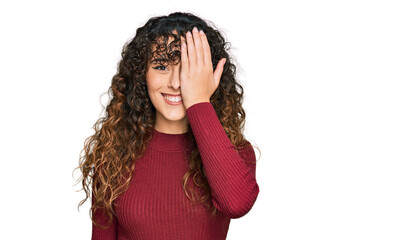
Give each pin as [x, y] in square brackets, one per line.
[329, 96]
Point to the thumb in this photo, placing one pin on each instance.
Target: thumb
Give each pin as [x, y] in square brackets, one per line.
[218, 71]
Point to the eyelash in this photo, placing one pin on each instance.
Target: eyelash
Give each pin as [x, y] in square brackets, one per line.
[159, 69]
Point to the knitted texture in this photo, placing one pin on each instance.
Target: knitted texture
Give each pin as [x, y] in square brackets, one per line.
[155, 205]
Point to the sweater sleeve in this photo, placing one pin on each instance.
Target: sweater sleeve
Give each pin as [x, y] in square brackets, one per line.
[98, 233]
[231, 174]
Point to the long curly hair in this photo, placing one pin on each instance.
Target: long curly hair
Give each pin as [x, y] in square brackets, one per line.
[121, 136]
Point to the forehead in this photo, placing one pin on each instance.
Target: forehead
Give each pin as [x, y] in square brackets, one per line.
[166, 42]
[165, 49]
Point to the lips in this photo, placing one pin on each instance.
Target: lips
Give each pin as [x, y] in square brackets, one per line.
[172, 99]
[172, 95]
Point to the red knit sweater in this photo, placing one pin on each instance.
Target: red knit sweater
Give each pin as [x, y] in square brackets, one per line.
[155, 205]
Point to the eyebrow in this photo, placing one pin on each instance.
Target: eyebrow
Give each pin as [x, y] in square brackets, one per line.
[161, 60]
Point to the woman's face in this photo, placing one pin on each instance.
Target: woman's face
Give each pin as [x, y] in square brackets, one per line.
[162, 81]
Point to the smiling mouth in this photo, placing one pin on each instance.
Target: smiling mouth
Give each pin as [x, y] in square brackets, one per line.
[172, 98]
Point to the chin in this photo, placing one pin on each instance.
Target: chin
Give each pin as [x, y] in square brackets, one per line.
[176, 116]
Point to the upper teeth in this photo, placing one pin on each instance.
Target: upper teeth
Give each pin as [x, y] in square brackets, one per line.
[173, 98]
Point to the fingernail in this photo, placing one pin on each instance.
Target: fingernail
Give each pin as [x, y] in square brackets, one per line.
[201, 32]
[195, 29]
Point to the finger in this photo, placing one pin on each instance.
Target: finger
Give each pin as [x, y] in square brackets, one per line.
[190, 49]
[198, 46]
[184, 57]
[219, 69]
[206, 48]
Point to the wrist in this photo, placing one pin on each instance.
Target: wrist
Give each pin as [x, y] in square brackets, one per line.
[188, 105]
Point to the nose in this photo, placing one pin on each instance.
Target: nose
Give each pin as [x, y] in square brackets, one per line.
[174, 80]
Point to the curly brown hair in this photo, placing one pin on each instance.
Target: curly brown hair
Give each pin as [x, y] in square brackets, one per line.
[122, 135]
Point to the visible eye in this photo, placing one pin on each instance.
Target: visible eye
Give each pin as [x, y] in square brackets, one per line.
[163, 68]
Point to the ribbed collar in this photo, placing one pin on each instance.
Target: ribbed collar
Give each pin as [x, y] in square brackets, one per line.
[168, 142]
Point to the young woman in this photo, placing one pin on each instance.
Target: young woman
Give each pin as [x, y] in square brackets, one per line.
[169, 159]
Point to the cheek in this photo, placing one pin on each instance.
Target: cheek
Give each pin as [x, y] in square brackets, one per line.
[151, 81]
[154, 83]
